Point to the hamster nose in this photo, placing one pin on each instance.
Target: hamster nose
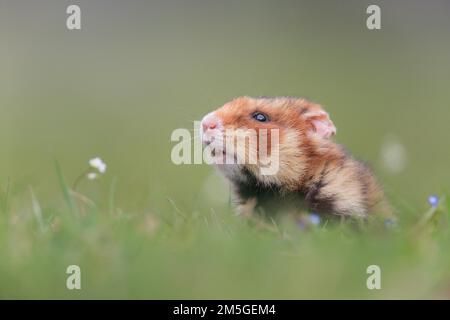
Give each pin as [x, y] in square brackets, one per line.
[209, 122]
[209, 125]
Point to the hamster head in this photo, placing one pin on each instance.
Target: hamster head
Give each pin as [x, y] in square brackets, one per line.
[266, 138]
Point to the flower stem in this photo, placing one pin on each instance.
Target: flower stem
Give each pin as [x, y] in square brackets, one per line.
[79, 178]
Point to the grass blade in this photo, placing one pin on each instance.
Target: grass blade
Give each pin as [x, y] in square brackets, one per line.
[112, 197]
[37, 211]
[65, 189]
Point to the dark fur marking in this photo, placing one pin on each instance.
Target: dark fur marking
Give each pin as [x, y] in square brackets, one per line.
[303, 110]
[270, 199]
[253, 188]
[316, 201]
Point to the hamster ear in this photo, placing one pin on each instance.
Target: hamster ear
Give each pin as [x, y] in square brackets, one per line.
[319, 123]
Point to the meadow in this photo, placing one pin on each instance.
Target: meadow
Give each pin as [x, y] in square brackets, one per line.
[150, 229]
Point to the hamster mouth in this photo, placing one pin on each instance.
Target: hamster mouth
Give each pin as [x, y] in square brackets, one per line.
[207, 142]
[218, 152]
[215, 152]
[207, 138]
[214, 141]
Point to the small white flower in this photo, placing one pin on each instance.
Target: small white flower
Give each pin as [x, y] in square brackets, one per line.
[92, 175]
[98, 164]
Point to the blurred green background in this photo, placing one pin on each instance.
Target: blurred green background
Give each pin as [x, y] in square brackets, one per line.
[137, 70]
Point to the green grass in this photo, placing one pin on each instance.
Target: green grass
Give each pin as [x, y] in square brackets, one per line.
[211, 253]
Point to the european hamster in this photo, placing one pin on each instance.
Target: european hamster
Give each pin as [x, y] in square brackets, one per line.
[314, 173]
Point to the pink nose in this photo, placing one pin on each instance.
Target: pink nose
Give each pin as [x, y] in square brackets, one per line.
[209, 122]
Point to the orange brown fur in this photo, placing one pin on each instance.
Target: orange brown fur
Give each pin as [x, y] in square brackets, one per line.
[314, 174]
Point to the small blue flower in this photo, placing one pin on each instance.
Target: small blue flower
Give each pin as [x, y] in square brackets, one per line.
[314, 218]
[433, 200]
[301, 224]
[390, 223]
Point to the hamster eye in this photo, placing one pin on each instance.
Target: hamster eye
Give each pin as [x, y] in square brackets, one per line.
[261, 117]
